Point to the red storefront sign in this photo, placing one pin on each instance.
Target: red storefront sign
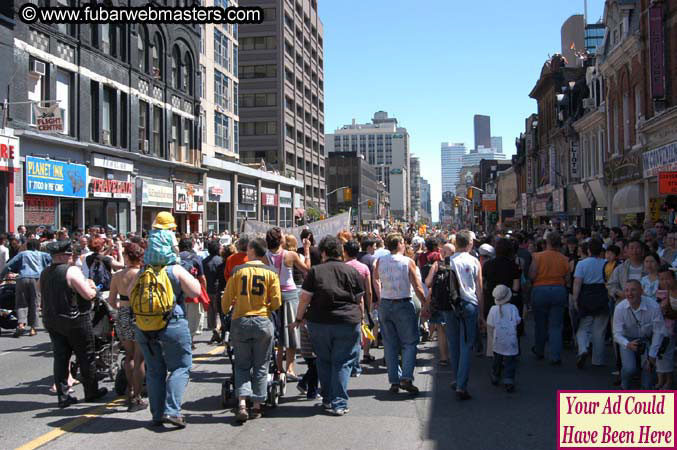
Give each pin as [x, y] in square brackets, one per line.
[39, 210]
[9, 154]
[269, 199]
[667, 183]
[101, 188]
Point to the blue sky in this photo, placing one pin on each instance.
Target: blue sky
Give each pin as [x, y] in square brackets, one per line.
[434, 64]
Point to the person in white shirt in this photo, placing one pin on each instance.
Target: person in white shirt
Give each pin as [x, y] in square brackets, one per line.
[503, 319]
[4, 251]
[638, 328]
[461, 326]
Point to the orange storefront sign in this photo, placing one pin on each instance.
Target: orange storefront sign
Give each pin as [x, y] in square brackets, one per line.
[489, 202]
[667, 183]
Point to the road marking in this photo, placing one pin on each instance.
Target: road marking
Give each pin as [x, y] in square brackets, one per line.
[93, 414]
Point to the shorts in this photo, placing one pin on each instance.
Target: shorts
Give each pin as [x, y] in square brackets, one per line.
[666, 363]
[125, 326]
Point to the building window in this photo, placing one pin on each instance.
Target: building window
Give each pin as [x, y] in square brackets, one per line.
[143, 126]
[174, 150]
[259, 128]
[626, 121]
[37, 87]
[221, 49]
[94, 102]
[158, 58]
[269, 14]
[187, 75]
[258, 43]
[235, 66]
[176, 70]
[236, 107]
[65, 28]
[221, 89]
[64, 81]
[124, 119]
[157, 132]
[221, 131]
[108, 116]
[259, 100]
[142, 56]
[203, 81]
[236, 136]
[203, 44]
[638, 109]
[258, 71]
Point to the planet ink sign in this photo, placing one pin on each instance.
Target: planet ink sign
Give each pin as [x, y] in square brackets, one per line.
[615, 419]
[55, 178]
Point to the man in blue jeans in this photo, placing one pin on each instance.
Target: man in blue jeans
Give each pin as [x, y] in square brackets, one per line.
[638, 329]
[169, 351]
[461, 326]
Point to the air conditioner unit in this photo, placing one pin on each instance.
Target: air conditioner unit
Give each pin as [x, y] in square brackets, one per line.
[38, 68]
[144, 145]
[105, 134]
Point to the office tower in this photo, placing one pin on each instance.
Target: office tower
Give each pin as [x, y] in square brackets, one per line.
[497, 143]
[482, 126]
[281, 73]
[594, 36]
[415, 183]
[452, 161]
[573, 39]
[385, 146]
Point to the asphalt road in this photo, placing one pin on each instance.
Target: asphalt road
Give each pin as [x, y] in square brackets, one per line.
[377, 420]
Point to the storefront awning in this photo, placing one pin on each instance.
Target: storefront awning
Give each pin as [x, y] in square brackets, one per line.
[628, 199]
[582, 197]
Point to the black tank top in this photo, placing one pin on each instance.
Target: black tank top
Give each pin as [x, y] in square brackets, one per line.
[59, 301]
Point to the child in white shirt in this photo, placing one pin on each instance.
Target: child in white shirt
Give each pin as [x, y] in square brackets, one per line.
[502, 320]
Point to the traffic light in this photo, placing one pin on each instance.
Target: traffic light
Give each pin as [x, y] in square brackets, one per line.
[370, 204]
[470, 190]
[457, 202]
[347, 195]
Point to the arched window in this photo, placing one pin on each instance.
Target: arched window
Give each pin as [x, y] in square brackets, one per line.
[187, 74]
[142, 42]
[158, 57]
[176, 66]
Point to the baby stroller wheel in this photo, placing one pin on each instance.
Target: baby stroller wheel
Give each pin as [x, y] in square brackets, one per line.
[274, 396]
[121, 381]
[283, 384]
[227, 393]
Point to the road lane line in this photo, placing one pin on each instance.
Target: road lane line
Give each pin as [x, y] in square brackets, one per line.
[96, 412]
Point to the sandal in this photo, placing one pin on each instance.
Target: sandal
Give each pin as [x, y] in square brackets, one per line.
[255, 413]
[242, 414]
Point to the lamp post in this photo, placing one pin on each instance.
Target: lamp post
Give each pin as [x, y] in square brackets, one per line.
[326, 197]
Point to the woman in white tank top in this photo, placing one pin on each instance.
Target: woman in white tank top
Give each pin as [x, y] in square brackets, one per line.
[397, 314]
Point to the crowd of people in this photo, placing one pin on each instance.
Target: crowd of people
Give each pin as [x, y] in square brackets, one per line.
[331, 302]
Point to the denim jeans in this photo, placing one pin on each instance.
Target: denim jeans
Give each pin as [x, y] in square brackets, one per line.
[460, 339]
[505, 364]
[630, 368]
[399, 328]
[252, 341]
[549, 303]
[592, 329]
[336, 347]
[169, 351]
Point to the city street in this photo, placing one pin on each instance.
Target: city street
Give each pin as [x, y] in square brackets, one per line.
[432, 420]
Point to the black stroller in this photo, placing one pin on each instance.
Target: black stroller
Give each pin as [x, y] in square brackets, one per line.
[276, 387]
[8, 316]
[106, 342]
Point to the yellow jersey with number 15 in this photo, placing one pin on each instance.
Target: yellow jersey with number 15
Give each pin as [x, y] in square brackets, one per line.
[253, 289]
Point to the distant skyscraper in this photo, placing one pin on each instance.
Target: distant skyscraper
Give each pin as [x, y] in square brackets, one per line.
[473, 159]
[497, 143]
[482, 131]
[452, 161]
[594, 35]
[573, 39]
[415, 183]
[426, 206]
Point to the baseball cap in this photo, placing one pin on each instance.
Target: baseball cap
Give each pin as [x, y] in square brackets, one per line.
[486, 250]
